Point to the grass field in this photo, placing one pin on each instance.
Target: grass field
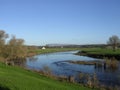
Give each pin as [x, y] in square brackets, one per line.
[100, 51]
[92, 52]
[88, 50]
[16, 78]
[51, 50]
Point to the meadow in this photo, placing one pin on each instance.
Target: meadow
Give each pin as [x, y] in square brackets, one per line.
[100, 53]
[52, 50]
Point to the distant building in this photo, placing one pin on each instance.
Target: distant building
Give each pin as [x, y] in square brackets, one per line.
[61, 46]
[43, 48]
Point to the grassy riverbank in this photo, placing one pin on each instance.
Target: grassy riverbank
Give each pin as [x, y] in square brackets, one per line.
[51, 50]
[100, 52]
[15, 78]
[33, 52]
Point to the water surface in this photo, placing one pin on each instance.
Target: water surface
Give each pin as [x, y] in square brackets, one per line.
[58, 65]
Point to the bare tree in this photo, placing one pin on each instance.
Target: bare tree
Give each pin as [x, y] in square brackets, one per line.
[3, 37]
[114, 41]
[16, 48]
[12, 49]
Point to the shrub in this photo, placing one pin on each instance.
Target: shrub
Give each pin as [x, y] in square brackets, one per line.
[112, 63]
[47, 70]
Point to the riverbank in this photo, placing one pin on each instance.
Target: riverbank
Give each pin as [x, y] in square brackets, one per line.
[52, 50]
[34, 52]
[100, 53]
[16, 78]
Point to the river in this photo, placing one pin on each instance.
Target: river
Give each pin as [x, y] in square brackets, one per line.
[57, 63]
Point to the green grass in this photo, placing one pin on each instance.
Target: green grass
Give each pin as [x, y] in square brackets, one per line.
[103, 51]
[16, 78]
[51, 50]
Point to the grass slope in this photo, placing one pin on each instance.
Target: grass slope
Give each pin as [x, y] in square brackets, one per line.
[15, 78]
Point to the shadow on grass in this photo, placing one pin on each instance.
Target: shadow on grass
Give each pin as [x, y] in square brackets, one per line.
[4, 88]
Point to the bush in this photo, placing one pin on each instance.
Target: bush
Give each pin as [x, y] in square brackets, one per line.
[112, 63]
[47, 70]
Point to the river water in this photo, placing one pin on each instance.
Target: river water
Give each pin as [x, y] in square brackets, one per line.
[57, 63]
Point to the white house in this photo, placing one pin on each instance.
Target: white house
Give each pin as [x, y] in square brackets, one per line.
[43, 48]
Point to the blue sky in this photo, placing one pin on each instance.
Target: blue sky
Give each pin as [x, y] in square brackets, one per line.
[42, 22]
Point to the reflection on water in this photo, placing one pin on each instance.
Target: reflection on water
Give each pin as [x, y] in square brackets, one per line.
[57, 63]
[33, 59]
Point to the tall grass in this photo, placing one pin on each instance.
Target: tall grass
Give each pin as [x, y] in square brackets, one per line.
[112, 63]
